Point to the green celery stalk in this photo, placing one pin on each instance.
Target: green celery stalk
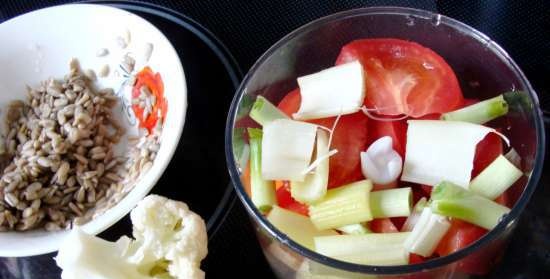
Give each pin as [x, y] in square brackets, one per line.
[495, 178]
[354, 229]
[298, 227]
[368, 249]
[391, 203]
[264, 112]
[262, 191]
[479, 113]
[342, 206]
[451, 200]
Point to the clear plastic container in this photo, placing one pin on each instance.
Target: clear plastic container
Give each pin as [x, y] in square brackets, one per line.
[483, 69]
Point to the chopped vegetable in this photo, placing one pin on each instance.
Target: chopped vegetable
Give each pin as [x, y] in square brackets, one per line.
[298, 227]
[380, 163]
[404, 77]
[287, 148]
[479, 113]
[335, 91]
[354, 229]
[441, 151]
[415, 214]
[427, 233]
[383, 225]
[170, 242]
[454, 201]
[285, 200]
[369, 249]
[496, 178]
[151, 105]
[513, 157]
[263, 191]
[342, 206]
[264, 112]
[391, 203]
[314, 187]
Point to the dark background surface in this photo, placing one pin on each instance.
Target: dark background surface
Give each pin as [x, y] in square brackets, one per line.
[248, 28]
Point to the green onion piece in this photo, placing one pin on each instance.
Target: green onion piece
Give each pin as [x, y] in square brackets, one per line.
[415, 215]
[391, 203]
[264, 112]
[263, 191]
[298, 227]
[342, 206]
[368, 249]
[495, 178]
[451, 200]
[314, 186]
[427, 233]
[479, 113]
[354, 229]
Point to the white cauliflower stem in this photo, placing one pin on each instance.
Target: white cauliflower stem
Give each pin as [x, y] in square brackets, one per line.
[170, 242]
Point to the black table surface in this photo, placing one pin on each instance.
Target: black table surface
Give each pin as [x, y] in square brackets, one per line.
[248, 28]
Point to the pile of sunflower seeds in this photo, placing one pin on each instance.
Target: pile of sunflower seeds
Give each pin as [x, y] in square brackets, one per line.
[58, 155]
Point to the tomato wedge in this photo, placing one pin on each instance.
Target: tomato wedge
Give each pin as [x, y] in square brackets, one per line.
[487, 150]
[349, 138]
[285, 200]
[383, 225]
[460, 235]
[404, 77]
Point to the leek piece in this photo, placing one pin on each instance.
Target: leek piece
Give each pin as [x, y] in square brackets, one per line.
[298, 227]
[391, 203]
[454, 201]
[495, 178]
[342, 206]
[479, 113]
[415, 214]
[264, 112]
[513, 157]
[368, 249]
[314, 187]
[354, 229]
[287, 149]
[262, 191]
[427, 233]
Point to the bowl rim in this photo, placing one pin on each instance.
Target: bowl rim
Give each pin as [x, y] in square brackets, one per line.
[508, 221]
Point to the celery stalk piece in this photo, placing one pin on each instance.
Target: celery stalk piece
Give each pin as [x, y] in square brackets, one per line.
[369, 249]
[495, 178]
[354, 229]
[314, 187]
[427, 233]
[479, 113]
[298, 227]
[454, 201]
[263, 191]
[391, 203]
[415, 215]
[264, 112]
[342, 206]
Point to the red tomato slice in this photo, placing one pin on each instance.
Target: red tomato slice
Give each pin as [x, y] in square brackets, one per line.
[460, 235]
[397, 130]
[487, 150]
[404, 77]
[414, 258]
[383, 225]
[285, 200]
[349, 138]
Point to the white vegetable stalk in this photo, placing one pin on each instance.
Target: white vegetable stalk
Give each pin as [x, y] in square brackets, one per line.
[287, 148]
[391, 203]
[380, 163]
[427, 233]
[415, 215]
[334, 91]
[314, 187]
[442, 151]
[513, 157]
[495, 178]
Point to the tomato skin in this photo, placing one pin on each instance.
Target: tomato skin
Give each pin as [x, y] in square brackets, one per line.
[382, 225]
[349, 138]
[404, 77]
[487, 150]
[285, 200]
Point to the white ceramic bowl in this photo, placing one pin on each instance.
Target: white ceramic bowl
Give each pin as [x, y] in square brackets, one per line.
[38, 45]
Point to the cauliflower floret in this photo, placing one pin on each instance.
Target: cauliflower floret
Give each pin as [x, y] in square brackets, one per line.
[170, 242]
[167, 230]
